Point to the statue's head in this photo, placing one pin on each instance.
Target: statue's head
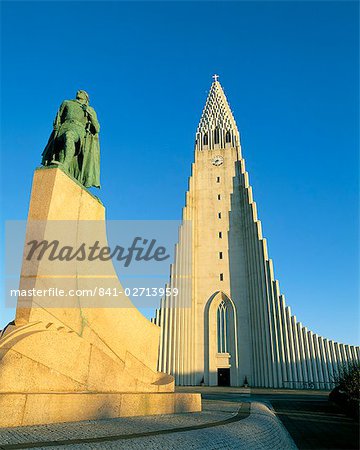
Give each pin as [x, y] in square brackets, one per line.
[82, 97]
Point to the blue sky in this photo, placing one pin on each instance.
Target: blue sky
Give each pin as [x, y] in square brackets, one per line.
[290, 71]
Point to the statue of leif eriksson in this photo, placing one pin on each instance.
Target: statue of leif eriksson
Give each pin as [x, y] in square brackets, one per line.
[74, 143]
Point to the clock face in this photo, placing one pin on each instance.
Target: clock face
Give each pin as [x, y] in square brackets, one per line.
[217, 160]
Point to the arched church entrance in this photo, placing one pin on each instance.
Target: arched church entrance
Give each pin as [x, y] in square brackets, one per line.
[221, 350]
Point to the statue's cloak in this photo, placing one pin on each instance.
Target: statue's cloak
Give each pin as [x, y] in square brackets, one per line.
[85, 166]
[90, 167]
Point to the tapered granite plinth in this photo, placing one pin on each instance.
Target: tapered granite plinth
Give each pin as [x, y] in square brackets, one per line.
[77, 358]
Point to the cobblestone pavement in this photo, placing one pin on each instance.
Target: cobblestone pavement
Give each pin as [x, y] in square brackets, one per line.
[219, 426]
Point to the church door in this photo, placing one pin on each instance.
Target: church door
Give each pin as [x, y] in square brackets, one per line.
[224, 377]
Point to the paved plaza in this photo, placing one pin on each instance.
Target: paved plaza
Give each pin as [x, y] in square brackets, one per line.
[221, 425]
[232, 418]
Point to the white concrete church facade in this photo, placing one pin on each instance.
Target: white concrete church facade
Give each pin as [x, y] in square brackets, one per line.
[230, 323]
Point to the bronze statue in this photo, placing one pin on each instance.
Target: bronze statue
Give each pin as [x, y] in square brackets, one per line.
[74, 143]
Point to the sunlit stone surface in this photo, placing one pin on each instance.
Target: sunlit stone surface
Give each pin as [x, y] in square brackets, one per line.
[233, 326]
[78, 360]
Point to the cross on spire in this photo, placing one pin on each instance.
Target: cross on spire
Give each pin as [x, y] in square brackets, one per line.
[215, 76]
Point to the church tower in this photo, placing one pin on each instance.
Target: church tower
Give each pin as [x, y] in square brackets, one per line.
[230, 324]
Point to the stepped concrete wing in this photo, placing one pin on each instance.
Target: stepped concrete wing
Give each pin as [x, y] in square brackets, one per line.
[72, 358]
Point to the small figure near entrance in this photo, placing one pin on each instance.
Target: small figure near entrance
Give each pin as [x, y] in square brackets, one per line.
[74, 142]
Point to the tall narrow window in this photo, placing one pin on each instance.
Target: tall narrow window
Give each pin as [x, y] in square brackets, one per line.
[216, 136]
[218, 179]
[222, 328]
[220, 234]
[205, 139]
[219, 215]
[220, 255]
[228, 137]
[219, 197]
[221, 277]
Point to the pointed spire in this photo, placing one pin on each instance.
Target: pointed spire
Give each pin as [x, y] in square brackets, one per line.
[217, 127]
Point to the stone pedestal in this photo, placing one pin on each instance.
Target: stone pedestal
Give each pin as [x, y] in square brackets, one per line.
[78, 358]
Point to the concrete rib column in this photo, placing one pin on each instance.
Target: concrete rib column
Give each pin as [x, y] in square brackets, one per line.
[186, 302]
[291, 346]
[343, 353]
[183, 336]
[265, 310]
[261, 319]
[307, 355]
[192, 274]
[356, 351]
[318, 361]
[165, 336]
[300, 379]
[179, 312]
[324, 362]
[259, 286]
[254, 285]
[286, 342]
[244, 217]
[251, 277]
[193, 301]
[162, 337]
[279, 321]
[353, 353]
[180, 271]
[275, 323]
[187, 255]
[276, 369]
[157, 318]
[187, 268]
[334, 358]
[171, 335]
[184, 309]
[338, 356]
[170, 326]
[329, 362]
[194, 308]
[174, 284]
[302, 356]
[348, 353]
[313, 358]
